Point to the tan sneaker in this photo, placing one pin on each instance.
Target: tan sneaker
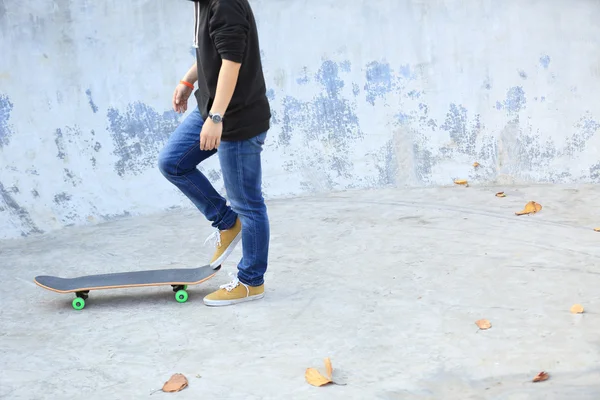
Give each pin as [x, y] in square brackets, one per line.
[233, 293]
[226, 241]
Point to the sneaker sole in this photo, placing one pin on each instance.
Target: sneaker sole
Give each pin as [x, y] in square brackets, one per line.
[227, 251]
[220, 303]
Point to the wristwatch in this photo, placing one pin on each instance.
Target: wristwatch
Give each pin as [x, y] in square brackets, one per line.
[216, 117]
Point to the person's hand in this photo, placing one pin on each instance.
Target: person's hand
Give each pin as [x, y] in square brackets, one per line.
[210, 136]
[180, 98]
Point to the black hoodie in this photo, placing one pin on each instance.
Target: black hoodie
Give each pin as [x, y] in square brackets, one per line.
[226, 29]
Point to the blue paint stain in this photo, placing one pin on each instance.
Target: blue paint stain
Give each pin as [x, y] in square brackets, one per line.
[515, 100]
[543, 99]
[346, 66]
[403, 118]
[294, 113]
[5, 109]
[545, 61]
[270, 94]
[406, 72]
[522, 74]
[595, 173]
[456, 122]
[424, 119]
[328, 119]
[379, 80]
[414, 94]
[355, 89]
[328, 77]
[387, 164]
[463, 135]
[304, 79]
[139, 134]
[89, 96]
[333, 113]
[587, 127]
[590, 125]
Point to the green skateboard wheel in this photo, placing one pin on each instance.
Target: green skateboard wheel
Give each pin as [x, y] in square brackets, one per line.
[78, 303]
[181, 296]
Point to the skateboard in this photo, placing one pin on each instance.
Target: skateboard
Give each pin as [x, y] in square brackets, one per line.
[178, 278]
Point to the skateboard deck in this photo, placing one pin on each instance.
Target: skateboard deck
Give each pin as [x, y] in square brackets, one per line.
[178, 278]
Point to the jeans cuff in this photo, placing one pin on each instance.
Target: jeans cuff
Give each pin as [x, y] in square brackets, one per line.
[255, 282]
[228, 221]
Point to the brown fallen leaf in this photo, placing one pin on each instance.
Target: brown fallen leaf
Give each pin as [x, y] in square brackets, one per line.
[460, 181]
[475, 164]
[315, 378]
[542, 376]
[530, 208]
[500, 194]
[329, 368]
[176, 383]
[577, 309]
[483, 324]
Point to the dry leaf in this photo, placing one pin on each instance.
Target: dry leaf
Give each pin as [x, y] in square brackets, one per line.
[315, 378]
[500, 194]
[542, 376]
[476, 164]
[483, 324]
[596, 229]
[460, 181]
[577, 309]
[175, 384]
[328, 368]
[530, 208]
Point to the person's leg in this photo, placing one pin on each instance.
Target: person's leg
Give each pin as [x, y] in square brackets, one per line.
[242, 173]
[178, 162]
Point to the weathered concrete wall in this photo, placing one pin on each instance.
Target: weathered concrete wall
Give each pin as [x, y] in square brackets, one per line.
[364, 94]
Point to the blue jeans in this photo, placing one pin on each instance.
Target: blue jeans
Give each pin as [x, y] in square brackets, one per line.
[242, 174]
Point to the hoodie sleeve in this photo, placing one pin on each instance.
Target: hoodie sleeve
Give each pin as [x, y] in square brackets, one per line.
[228, 28]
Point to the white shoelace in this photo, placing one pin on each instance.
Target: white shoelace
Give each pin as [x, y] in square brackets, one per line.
[235, 282]
[215, 237]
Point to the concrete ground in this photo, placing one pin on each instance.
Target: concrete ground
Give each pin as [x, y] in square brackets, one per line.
[387, 283]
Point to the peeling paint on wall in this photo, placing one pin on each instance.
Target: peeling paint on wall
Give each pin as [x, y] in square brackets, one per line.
[5, 108]
[387, 165]
[10, 205]
[595, 173]
[379, 81]
[60, 144]
[329, 119]
[545, 61]
[463, 136]
[139, 133]
[88, 92]
[515, 100]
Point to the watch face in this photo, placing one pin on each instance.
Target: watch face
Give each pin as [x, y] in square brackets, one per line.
[216, 118]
